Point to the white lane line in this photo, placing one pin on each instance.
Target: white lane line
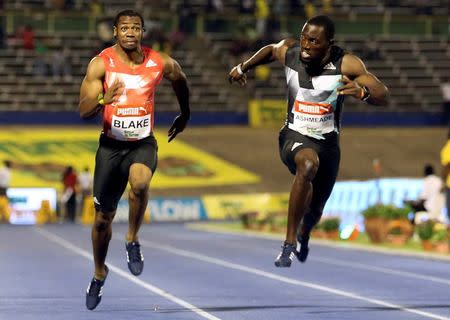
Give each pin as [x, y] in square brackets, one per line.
[362, 266]
[230, 265]
[64, 243]
[326, 243]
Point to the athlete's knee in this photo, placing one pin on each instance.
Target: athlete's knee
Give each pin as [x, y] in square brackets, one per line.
[139, 189]
[307, 165]
[102, 221]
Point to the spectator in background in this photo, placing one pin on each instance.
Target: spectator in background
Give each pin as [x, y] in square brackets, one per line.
[261, 14]
[2, 37]
[5, 177]
[69, 197]
[27, 36]
[40, 65]
[327, 7]
[429, 197]
[280, 7]
[61, 64]
[85, 181]
[246, 6]
[262, 76]
[445, 162]
[104, 34]
[96, 8]
[215, 6]
[310, 9]
[186, 17]
[157, 40]
[445, 90]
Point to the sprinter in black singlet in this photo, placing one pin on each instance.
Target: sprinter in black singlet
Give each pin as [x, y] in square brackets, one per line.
[319, 75]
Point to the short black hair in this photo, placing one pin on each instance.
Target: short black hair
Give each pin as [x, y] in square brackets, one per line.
[428, 170]
[326, 23]
[128, 13]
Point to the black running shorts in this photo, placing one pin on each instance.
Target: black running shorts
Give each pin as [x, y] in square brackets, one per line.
[112, 164]
[291, 142]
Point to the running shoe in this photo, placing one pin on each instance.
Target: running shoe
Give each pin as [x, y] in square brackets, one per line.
[135, 258]
[286, 256]
[94, 291]
[302, 253]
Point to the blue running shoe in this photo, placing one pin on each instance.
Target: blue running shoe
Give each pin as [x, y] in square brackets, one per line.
[94, 292]
[286, 256]
[135, 258]
[302, 253]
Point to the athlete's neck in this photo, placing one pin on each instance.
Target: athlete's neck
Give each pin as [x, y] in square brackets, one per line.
[314, 68]
[130, 57]
[325, 59]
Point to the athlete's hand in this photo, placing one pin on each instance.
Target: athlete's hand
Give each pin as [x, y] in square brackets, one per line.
[113, 93]
[235, 76]
[178, 126]
[350, 88]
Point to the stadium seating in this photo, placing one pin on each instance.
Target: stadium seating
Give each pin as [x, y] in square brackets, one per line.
[412, 67]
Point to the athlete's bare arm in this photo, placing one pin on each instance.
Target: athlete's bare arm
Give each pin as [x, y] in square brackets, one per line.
[174, 73]
[267, 54]
[92, 87]
[356, 76]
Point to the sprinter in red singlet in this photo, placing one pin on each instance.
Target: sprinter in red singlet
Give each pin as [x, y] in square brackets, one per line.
[120, 82]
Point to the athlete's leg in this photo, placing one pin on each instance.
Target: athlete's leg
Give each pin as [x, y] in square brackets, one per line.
[139, 179]
[109, 185]
[307, 164]
[323, 185]
[101, 235]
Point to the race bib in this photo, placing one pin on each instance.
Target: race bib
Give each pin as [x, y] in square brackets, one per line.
[313, 118]
[131, 123]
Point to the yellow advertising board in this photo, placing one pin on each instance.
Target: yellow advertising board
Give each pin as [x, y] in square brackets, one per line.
[267, 113]
[231, 206]
[39, 156]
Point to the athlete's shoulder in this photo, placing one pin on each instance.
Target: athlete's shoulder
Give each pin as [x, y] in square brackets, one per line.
[153, 55]
[107, 52]
[290, 42]
[351, 59]
[108, 56]
[292, 52]
[96, 68]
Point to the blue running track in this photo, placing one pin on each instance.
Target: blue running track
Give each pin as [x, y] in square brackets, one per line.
[188, 274]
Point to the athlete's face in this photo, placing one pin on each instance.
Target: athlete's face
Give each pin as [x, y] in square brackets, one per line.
[313, 43]
[129, 32]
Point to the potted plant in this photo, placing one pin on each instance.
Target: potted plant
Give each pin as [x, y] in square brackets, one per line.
[440, 238]
[399, 228]
[330, 226]
[317, 232]
[425, 231]
[379, 219]
[374, 223]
